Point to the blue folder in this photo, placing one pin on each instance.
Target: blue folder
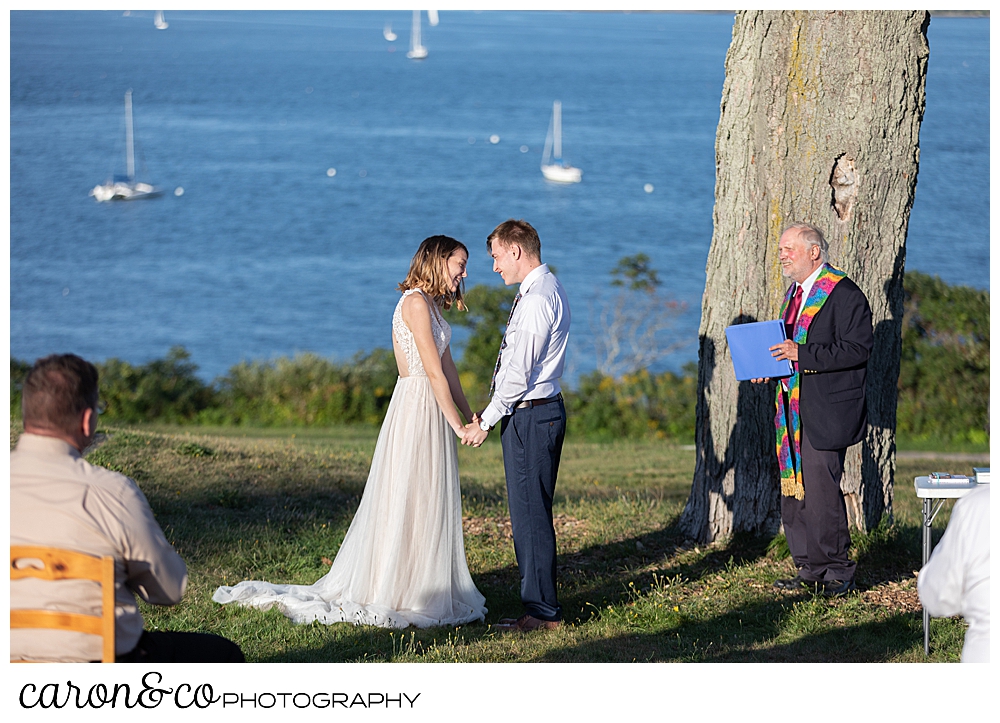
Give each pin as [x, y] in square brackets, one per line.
[749, 346]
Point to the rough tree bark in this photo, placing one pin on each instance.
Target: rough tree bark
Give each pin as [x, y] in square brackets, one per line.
[819, 123]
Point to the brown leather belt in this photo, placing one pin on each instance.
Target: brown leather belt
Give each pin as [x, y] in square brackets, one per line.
[528, 404]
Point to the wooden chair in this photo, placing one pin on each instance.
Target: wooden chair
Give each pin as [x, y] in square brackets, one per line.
[58, 564]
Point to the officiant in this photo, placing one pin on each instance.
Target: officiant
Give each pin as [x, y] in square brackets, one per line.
[821, 408]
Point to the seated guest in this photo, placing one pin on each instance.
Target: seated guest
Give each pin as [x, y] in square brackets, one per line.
[956, 580]
[57, 499]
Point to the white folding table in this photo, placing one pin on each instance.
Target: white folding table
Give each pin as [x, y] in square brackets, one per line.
[934, 497]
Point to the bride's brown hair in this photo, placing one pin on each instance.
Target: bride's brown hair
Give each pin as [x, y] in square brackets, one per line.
[429, 271]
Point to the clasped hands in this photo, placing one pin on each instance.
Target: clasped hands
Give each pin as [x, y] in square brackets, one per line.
[472, 434]
[787, 349]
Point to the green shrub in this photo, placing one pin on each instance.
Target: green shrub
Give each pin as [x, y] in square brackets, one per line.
[166, 390]
[637, 405]
[306, 389]
[944, 374]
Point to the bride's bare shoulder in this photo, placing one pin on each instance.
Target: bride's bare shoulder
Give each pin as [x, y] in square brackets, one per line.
[416, 308]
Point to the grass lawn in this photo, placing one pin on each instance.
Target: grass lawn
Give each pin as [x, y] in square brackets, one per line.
[275, 504]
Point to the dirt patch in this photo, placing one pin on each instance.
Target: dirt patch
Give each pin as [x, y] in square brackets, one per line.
[499, 527]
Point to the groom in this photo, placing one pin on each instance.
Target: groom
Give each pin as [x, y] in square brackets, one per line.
[526, 400]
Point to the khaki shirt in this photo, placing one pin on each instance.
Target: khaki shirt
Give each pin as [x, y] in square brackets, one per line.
[57, 499]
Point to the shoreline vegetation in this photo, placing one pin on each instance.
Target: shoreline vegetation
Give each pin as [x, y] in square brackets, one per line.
[943, 402]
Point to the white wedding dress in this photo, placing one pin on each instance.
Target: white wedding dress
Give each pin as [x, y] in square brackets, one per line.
[402, 561]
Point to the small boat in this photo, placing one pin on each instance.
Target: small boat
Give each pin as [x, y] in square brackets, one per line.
[553, 166]
[158, 22]
[417, 50]
[387, 32]
[125, 188]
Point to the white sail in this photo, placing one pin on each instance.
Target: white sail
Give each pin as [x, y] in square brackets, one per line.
[126, 189]
[387, 32]
[557, 128]
[417, 50]
[553, 166]
[158, 22]
[129, 138]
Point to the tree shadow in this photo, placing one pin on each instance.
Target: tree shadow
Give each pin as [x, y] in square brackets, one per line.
[890, 553]
[746, 636]
[883, 375]
[747, 464]
[601, 575]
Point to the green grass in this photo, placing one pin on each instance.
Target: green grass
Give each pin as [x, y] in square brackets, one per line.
[930, 444]
[275, 504]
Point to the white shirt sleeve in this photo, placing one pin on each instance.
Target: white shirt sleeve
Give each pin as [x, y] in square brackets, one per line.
[519, 359]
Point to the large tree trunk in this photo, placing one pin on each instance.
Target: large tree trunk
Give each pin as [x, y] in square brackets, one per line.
[820, 119]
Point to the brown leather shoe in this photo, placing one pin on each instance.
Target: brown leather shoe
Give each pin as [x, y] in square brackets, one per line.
[526, 623]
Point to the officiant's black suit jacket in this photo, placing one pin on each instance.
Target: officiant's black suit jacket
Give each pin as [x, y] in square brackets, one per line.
[833, 363]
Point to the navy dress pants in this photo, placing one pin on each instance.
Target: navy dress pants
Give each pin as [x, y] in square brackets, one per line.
[816, 526]
[532, 440]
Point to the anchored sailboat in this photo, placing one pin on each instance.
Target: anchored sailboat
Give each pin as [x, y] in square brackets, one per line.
[417, 50]
[125, 188]
[387, 32]
[158, 22]
[553, 166]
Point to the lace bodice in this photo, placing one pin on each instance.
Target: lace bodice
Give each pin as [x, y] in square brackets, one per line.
[404, 337]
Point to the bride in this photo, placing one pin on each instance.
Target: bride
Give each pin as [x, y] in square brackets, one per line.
[402, 561]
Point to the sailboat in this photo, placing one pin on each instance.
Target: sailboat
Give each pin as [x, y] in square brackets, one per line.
[387, 32]
[125, 188]
[158, 22]
[553, 166]
[417, 51]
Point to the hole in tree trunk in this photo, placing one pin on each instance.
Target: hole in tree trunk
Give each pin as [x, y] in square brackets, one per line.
[844, 181]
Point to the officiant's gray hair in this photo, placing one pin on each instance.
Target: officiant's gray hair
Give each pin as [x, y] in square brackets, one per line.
[813, 236]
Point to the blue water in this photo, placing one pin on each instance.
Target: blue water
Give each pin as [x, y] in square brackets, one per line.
[264, 254]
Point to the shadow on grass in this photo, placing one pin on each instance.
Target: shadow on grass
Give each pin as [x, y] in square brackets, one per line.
[890, 553]
[739, 636]
[600, 575]
[747, 635]
[345, 643]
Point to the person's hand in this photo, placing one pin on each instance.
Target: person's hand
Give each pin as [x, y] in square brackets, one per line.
[477, 417]
[474, 435]
[761, 380]
[462, 432]
[787, 349]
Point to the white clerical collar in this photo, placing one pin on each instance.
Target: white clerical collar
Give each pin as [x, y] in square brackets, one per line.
[533, 276]
[810, 280]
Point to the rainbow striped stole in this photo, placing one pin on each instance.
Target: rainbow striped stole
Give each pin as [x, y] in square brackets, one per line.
[790, 446]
